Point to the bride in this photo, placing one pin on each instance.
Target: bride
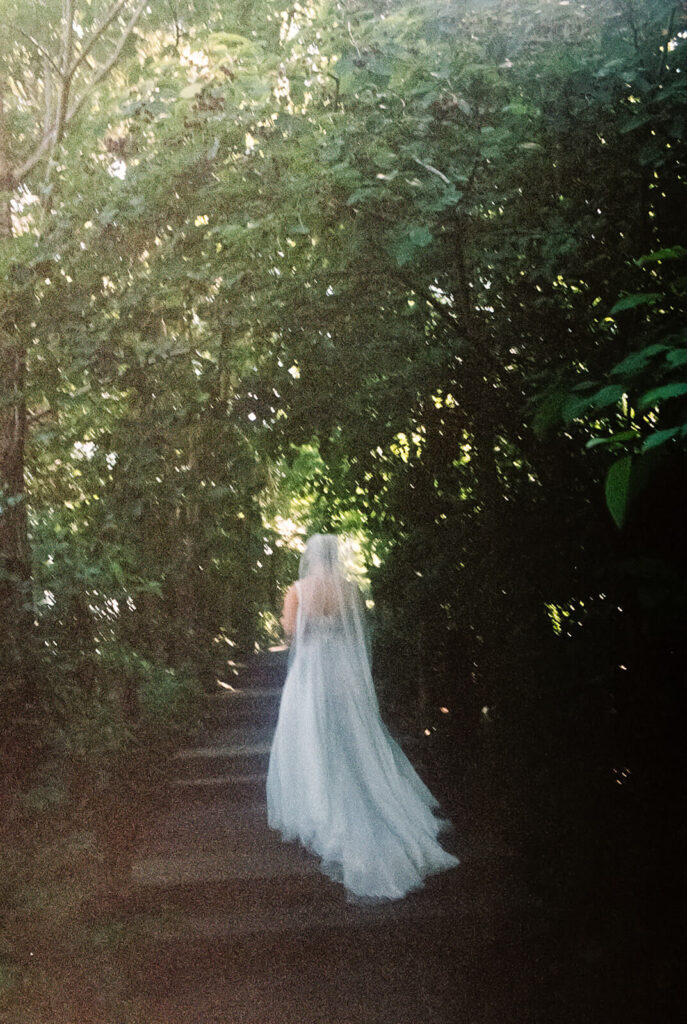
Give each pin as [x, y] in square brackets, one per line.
[337, 780]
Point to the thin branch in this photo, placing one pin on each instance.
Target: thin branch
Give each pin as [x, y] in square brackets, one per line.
[107, 67]
[97, 33]
[338, 87]
[41, 49]
[39, 152]
[626, 8]
[433, 170]
[48, 141]
[348, 26]
[47, 99]
[65, 77]
[5, 176]
[663, 50]
[177, 27]
[67, 35]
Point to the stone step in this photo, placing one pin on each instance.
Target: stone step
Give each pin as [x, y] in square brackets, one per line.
[228, 735]
[268, 668]
[245, 694]
[281, 888]
[233, 787]
[245, 706]
[336, 913]
[163, 956]
[247, 758]
[241, 856]
[171, 939]
[309, 916]
[201, 846]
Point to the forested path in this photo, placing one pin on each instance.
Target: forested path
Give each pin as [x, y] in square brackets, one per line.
[232, 925]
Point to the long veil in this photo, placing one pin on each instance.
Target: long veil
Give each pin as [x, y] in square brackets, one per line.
[330, 603]
[337, 780]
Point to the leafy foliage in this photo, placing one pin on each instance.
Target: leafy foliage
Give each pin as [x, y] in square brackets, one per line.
[357, 265]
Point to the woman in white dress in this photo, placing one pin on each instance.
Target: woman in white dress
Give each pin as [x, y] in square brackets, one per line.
[337, 780]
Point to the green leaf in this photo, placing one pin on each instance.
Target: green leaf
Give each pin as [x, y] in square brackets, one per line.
[633, 301]
[637, 360]
[548, 414]
[659, 438]
[229, 40]
[618, 489]
[676, 252]
[621, 438]
[574, 405]
[361, 194]
[666, 391]
[409, 241]
[609, 395]
[191, 91]
[677, 356]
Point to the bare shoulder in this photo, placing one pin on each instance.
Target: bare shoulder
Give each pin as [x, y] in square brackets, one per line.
[289, 613]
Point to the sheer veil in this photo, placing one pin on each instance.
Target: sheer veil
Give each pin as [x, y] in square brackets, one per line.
[329, 604]
[337, 781]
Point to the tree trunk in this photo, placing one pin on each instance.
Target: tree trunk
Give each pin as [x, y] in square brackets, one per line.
[14, 546]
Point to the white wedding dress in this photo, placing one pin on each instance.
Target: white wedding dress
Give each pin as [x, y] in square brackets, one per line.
[337, 780]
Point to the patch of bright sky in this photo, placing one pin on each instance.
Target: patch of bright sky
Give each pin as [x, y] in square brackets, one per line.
[117, 169]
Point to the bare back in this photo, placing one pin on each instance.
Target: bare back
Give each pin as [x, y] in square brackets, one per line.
[320, 598]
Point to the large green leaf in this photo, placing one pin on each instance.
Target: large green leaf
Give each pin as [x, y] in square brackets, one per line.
[637, 361]
[676, 252]
[618, 489]
[662, 394]
[633, 301]
[621, 438]
[677, 357]
[660, 437]
[408, 241]
[190, 92]
[609, 395]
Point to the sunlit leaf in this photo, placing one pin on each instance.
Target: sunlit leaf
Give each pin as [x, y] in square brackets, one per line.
[621, 438]
[191, 91]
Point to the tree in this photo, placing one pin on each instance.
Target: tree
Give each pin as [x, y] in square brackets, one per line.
[51, 78]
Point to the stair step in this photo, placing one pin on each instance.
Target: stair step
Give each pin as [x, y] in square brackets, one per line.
[226, 751]
[231, 786]
[207, 867]
[248, 716]
[308, 918]
[258, 700]
[247, 759]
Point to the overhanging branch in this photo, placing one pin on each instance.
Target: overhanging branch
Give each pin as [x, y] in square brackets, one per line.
[105, 69]
[67, 112]
[97, 33]
[40, 49]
